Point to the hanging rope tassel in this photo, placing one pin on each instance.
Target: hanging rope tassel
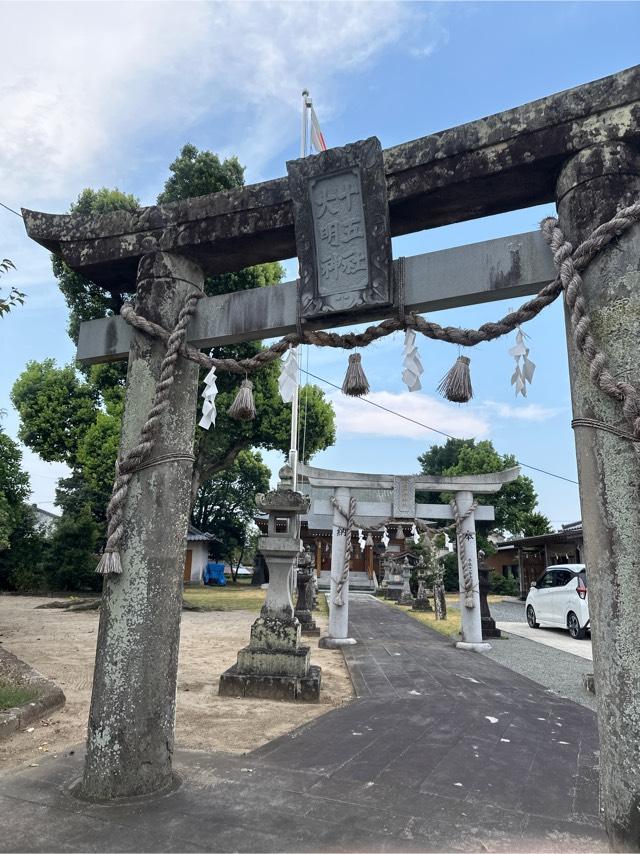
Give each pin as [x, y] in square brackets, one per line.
[243, 407]
[355, 381]
[456, 384]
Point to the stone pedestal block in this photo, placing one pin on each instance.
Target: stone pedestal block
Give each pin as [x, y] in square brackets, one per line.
[275, 665]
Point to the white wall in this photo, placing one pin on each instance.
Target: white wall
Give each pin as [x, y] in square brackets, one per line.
[200, 556]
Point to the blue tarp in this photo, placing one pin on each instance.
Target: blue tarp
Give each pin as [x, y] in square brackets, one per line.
[214, 574]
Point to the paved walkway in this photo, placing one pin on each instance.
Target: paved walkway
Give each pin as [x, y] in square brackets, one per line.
[557, 638]
[443, 750]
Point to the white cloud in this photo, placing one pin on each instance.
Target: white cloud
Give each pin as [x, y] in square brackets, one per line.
[357, 416]
[81, 82]
[524, 412]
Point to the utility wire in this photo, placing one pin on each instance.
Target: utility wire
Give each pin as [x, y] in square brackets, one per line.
[433, 429]
[6, 207]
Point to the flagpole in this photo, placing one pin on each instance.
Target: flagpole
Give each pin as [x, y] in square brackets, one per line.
[293, 452]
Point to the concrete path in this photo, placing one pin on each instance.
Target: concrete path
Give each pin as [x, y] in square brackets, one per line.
[442, 751]
[557, 638]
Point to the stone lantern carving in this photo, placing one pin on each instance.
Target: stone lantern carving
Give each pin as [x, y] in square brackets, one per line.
[276, 665]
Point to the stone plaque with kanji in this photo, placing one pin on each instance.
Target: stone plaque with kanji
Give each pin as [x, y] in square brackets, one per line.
[341, 219]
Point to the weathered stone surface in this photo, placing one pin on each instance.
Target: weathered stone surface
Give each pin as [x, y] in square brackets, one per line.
[132, 715]
[591, 187]
[304, 689]
[341, 216]
[503, 162]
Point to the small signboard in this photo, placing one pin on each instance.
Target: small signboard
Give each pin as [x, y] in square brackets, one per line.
[341, 220]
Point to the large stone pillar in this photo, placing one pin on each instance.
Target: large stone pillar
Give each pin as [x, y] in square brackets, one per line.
[338, 614]
[131, 720]
[591, 186]
[470, 618]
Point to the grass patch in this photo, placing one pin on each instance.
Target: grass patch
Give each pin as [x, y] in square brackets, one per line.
[15, 695]
[449, 627]
[232, 597]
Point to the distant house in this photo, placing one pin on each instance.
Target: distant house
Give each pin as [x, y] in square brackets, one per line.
[198, 544]
[526, 558]
[45, 520]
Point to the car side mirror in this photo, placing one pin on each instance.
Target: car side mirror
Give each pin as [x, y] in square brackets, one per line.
[534, 583]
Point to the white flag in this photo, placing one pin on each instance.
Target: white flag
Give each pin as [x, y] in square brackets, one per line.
[288, 381]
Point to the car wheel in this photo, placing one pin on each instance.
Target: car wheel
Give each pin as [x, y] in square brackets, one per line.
[531, 618]
[573, 624]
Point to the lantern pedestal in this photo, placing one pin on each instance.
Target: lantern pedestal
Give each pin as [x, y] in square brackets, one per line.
[275, 665]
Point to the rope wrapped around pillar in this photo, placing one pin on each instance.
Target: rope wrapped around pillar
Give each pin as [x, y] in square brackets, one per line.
[349, 517]
[126, 466]
[469, 587]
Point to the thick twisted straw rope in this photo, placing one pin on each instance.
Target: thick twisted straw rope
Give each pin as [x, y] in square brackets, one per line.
[570, 264]
[349, 516]
[565, 261]
[128, 464]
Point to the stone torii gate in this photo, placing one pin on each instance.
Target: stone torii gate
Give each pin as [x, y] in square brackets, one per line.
[382, 497]
[579, 148]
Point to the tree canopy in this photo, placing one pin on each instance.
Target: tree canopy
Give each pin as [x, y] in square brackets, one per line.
[515, 503]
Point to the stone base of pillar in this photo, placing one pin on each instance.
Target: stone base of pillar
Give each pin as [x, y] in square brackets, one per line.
[474, 647]
[405, 599]
[393, 594]
[422, 605]
[301, 689]
[275, 665]
[310, 630]
[489, 629]
[327, 642]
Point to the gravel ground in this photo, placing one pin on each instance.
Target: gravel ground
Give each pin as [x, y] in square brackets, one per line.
[559, 672]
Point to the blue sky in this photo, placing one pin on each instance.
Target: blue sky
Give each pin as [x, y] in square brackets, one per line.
[106, 94]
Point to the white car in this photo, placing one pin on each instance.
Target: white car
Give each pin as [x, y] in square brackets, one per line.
[559, 598]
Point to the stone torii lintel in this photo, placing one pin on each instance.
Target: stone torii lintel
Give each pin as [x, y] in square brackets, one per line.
[495, 164]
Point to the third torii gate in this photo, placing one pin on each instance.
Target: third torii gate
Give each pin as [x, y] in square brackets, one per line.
[578, 148]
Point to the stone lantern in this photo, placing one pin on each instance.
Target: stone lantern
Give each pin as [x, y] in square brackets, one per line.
[276, 665]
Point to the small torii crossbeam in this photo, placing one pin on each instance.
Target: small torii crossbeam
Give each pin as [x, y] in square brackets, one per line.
[578, 148]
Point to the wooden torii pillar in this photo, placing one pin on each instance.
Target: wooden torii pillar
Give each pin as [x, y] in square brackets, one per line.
[578, 148]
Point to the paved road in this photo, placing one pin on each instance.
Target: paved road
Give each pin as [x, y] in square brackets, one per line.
[510, 616]
[443, 750]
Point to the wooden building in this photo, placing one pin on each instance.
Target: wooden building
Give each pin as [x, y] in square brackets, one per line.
[366, 564]
[526, 558]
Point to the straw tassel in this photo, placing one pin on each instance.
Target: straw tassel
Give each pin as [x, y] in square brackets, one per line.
[355, 382]
[243, 408]
[109, 564]
[456, 384]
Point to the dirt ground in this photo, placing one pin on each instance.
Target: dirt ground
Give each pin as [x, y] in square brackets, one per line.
[61, 645]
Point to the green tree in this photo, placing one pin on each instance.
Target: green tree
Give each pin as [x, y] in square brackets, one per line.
[14, 297]
[515, 503]
[21, 545]
[56, 409]
[225, 505]
[14, 488]
[71, 556]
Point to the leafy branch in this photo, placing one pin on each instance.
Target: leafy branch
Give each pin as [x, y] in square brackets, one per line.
[15, 296]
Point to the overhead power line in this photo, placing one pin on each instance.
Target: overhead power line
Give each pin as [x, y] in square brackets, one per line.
[433, 429]
[6, 207]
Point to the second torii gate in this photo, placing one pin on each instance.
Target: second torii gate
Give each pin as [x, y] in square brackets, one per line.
[381, 497]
